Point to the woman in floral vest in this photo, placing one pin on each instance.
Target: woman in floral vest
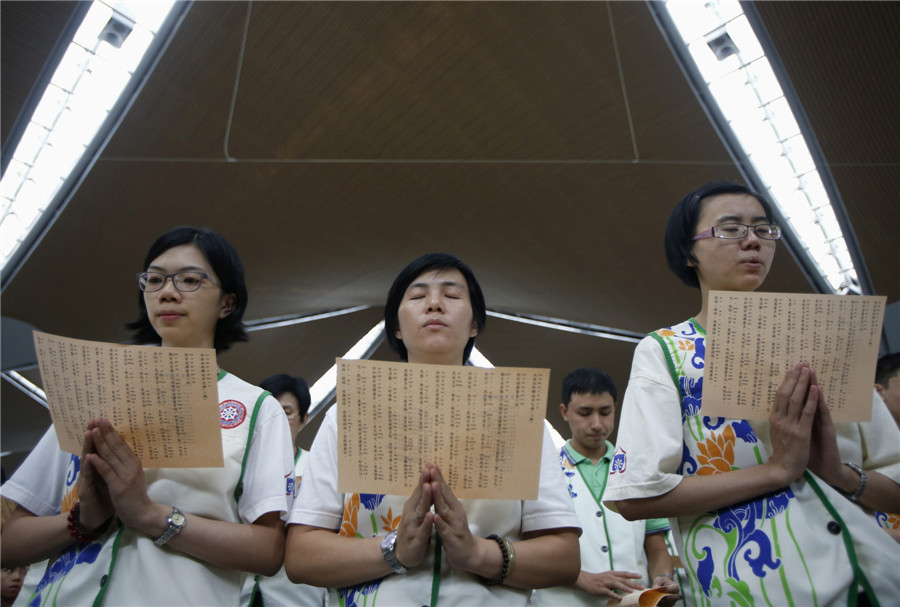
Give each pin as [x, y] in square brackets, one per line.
[430, 548]
[771, 513]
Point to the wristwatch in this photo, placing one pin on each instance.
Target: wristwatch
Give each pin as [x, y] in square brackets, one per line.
[388, 551]
[174, 524]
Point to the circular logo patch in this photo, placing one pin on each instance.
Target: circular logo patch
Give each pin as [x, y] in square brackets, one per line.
[231, 414]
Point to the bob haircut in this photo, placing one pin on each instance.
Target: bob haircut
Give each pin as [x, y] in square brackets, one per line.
[282, 383]
[426, 263]
[587, 380]
[682, 226]
[229, 270]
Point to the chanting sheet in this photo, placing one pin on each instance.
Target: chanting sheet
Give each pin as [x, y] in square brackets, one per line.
[649, 597]
[483, 427]
[753, 339]
[163, 401]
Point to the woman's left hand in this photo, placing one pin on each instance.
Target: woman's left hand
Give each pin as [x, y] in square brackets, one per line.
[450, 522]
[122, 472]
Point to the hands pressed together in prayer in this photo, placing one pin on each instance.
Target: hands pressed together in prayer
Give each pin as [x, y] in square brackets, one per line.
[802, 433]
[448, 518]
[111, 480]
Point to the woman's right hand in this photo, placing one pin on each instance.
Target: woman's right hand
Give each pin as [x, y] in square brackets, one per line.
[791, 422]
[414, 531]
[93, 494]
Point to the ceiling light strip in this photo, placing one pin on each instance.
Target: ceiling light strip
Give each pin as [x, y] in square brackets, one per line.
[569, 326]
[34, 190]
[22, 383]
[275, 322]
[731, 74]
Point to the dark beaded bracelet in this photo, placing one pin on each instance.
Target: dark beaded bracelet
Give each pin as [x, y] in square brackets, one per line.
[76, 529]
[506, 558]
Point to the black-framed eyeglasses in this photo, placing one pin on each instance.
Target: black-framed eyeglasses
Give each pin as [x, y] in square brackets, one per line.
[766, 231]
[183, 281]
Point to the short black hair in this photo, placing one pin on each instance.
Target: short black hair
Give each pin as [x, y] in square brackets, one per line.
[426, 263]
[588, 380]
[682, 226]
[282, 382]
[224, 261]
[888, 366]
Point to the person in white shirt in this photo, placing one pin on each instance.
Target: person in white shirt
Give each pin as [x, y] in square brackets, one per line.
[120, 534]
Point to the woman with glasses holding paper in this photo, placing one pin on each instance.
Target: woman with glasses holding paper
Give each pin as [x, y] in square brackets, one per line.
[763, 512]
[121, 535]
[430, 548]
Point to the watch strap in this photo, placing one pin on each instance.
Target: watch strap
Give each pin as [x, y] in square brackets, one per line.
[388, 551]
[174, 524]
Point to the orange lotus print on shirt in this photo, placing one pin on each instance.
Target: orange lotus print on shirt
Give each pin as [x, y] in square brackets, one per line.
[717, 452]
[351, 510]
[390, 522]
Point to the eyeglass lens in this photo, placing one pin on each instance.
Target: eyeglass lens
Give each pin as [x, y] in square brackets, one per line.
[184, 281]
[767, 231]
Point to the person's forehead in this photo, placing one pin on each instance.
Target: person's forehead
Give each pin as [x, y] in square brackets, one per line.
[732, 204]
[183, 256]
[590, 400]
[444, 276]
[288, 400]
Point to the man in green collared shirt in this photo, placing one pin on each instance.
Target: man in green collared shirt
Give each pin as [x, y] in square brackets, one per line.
[617, 556]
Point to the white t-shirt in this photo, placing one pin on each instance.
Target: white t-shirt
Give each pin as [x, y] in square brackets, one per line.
[319, 504]
[38, 486]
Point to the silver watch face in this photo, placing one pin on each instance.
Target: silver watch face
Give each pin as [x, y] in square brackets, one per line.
[389, 541]
[177, 519]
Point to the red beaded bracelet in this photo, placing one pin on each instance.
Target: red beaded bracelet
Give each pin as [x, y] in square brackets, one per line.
[76, 529]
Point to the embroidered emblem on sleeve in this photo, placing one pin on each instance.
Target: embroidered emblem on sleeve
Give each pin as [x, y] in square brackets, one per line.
[290, 485]
[231, 414]
[618, 462]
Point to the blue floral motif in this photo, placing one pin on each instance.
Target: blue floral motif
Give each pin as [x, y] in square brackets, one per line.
[778, 502]
[713, 423]
[743, 519]
[350, 594]
[744, 431]
[72, 470]
[370, 500]
[77, 554]
[699, 353]
[688, 464]
[705, 569]
[691, 395]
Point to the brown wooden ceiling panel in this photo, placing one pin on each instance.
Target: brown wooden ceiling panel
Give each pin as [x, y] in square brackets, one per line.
[28, 32]
[669, 125]
[429, 80]
[182, 111]
[870, 194]
[844, 60]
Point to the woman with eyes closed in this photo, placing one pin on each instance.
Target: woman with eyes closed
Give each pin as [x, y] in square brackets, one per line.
[121, 535]
[773, 512]
[429, 548]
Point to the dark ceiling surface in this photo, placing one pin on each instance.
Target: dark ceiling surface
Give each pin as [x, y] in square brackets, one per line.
[544, 143]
